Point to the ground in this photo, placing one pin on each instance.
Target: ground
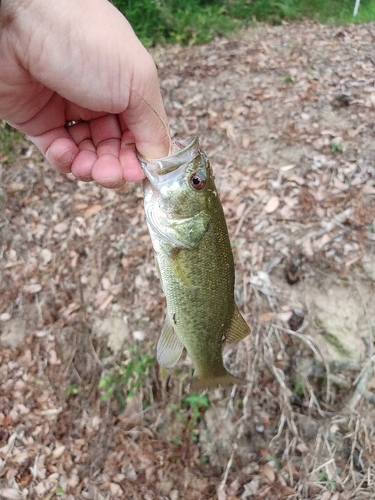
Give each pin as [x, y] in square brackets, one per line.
[287, 116]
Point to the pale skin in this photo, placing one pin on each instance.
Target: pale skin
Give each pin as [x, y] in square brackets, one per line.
[79, 60]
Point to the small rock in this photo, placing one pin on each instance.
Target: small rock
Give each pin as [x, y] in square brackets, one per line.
[138, 335]
[46, 256]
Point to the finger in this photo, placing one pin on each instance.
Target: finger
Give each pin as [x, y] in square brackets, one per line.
[84, 162]
[79, 132]
[58, 147]
[104, 129]
[106, 135]
[107, 171]
[131, 167]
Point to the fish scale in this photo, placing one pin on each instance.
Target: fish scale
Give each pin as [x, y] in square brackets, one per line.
[195, 263]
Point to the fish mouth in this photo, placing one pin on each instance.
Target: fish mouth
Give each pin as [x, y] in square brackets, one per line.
[184, 151]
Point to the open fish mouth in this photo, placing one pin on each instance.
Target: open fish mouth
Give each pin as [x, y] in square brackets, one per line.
[183, 152]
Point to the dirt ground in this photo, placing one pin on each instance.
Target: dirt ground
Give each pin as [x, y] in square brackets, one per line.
[287, 116]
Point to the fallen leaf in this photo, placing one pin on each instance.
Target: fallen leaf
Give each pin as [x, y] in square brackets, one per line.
[265, 317]
[57, 452]
[272, 205]
[269, 472]
[94, 209]
[33, 288]
[11, 494]
[61, 227]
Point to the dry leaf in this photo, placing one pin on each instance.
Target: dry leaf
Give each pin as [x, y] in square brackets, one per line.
[302, 448]
[46, 255]
[71, 308]
[94, 209]
[269, 472]
[58, 451]
[11, 494]
[106, 302]
[326, 495]
[287, 490]
[101, 297]
[61, 227]
[272, 205]
[106, 284]
[240, 209]
[33, 288]
[266, 317]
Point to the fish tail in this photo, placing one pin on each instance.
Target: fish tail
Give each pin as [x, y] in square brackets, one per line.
[207, 382]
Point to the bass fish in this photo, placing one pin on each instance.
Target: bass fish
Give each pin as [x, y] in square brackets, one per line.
[195, 263]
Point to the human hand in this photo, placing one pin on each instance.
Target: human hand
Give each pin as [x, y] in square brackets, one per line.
[81, 62]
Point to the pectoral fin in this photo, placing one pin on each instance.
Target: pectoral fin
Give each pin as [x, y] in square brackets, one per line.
[238, 328]
[170, 347]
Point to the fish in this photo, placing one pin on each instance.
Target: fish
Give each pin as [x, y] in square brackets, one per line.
[194, 259]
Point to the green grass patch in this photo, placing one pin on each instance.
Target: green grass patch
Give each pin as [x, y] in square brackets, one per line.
[9, 141]
[123, 381]
[198, 21]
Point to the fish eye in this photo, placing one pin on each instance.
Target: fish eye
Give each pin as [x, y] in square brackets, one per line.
[197, 181]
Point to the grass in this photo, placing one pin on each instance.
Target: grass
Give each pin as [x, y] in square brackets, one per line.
[9, 141]
[198, 21]
[123, 381]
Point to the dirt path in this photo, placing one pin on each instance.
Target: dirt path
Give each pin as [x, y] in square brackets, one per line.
[287, 116]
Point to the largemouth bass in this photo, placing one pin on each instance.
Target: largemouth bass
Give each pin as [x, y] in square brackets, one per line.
[195, 263]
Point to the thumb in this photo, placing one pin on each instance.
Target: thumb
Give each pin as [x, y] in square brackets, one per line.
[145, 117]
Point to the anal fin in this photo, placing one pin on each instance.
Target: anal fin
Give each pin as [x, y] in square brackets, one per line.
[238, 328]
[170, 347]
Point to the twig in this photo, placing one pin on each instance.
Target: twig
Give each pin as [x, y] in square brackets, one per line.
[321, 466]
[235, 444]
[315, 349]
[362, 382]
[370, 396]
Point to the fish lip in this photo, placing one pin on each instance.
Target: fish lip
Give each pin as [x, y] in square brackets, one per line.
[183, 152]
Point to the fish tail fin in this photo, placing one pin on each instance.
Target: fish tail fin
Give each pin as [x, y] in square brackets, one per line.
[205, 382]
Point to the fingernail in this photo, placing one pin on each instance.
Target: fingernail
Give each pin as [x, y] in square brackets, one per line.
[127, 145]
[66, 157]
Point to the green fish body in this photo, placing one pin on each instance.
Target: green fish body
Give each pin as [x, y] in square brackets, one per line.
[195, 262]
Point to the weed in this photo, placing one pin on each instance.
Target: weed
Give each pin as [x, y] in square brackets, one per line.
[196, 402]
[9, 137]
[288, 79]
[275, 460]
[119, 247]
[188, 414]
[336, 147]
[298, 387]
[323, 478]
[123, 381]
[72, 390]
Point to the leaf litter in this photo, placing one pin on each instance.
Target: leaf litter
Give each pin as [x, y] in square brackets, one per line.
[286, 115]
